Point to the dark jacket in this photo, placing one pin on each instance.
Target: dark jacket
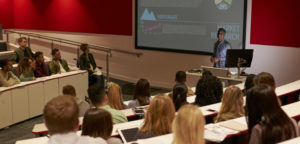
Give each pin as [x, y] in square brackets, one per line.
[20, 54]
[85, 63]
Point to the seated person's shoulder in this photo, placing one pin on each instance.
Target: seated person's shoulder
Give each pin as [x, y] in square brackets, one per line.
[91, 140]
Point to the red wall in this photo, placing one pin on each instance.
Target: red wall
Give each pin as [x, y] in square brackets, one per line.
[6, 13]
[275, 22]
[87, 16]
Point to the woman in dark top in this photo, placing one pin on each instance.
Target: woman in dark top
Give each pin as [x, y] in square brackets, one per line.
[209, 90]
[267, 122]
[179, 96]
[87, 61]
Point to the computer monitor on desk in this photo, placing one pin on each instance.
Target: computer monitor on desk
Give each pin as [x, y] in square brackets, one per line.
[239, 58]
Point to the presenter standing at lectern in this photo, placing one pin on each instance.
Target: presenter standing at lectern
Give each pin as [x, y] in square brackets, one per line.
[220, 49]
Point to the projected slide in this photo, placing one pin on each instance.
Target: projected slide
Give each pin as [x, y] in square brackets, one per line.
[188, 25]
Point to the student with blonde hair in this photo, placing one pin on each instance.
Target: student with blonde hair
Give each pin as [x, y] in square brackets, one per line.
[232, 104]
[115, 97]
[158, 118]
[188, 126]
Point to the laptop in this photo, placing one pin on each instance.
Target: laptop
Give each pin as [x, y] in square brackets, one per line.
[128, 135]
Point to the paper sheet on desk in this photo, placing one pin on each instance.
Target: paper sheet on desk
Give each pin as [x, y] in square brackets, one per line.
[238, 124]
[216, 133]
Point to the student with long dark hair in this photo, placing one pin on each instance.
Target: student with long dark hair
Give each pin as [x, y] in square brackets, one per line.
[249, 83]
[267, 122]
[209, 90]
[98, 123]
[179, 96]
[141, 95]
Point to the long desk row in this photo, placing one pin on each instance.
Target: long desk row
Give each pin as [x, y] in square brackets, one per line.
[209, 110]
[40, 129]
[27, 99]
[235, 127]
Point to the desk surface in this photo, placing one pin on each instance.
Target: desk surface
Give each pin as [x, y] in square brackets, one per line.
[232, 78]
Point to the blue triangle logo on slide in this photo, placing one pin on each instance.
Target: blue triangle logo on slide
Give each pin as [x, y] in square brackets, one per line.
[148, 15]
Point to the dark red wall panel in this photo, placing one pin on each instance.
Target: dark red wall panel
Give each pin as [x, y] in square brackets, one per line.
[275, 22]
[6, 13]
[88, 16]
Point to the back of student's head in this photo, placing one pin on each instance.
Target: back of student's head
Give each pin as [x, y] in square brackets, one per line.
[265, 78]
[262, 107]
[142, 92]
[159, 116]
[96, 94]
[249, 83]
[209, 87]
[3, 63]
[61, 115]
[69, 90]
[232, 102]
[180, 77]
[115, 96]
[179, 96]
[188, 126]
[97, 123]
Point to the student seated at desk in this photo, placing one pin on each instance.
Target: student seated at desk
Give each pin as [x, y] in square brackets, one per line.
[98, 123]
[87, 62]
[7, 77]
[58, 65]
[267, 122]
[179, 96]
[232, 104]
[25, 69]
[180, 79]
[249, 83]
[40, 65]
[115, 97]
[61, 119]
[209, 89]
[265, 78]
[83, 105]
[158, 118]
[22, 51]
[141, 95]
[99, 99]
[188, 126]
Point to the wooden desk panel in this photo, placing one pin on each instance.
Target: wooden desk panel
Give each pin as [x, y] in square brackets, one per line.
[36, 99]
[6, 111]
[20, 104]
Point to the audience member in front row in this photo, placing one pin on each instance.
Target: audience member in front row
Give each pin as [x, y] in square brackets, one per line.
[249, 83]
[58, 65]
[82, 105]
[25, 69]
[115, 97]
[232, 104]
[209, 89]
[267, 122]
[98, 123]
[40, 65]
[7, 77]
[61, 119]
[22, 51]
[179, 96]
[188, 126]
[180, 79]
[158, 118]
[99, 99]
[141, 95]
[265, 78]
